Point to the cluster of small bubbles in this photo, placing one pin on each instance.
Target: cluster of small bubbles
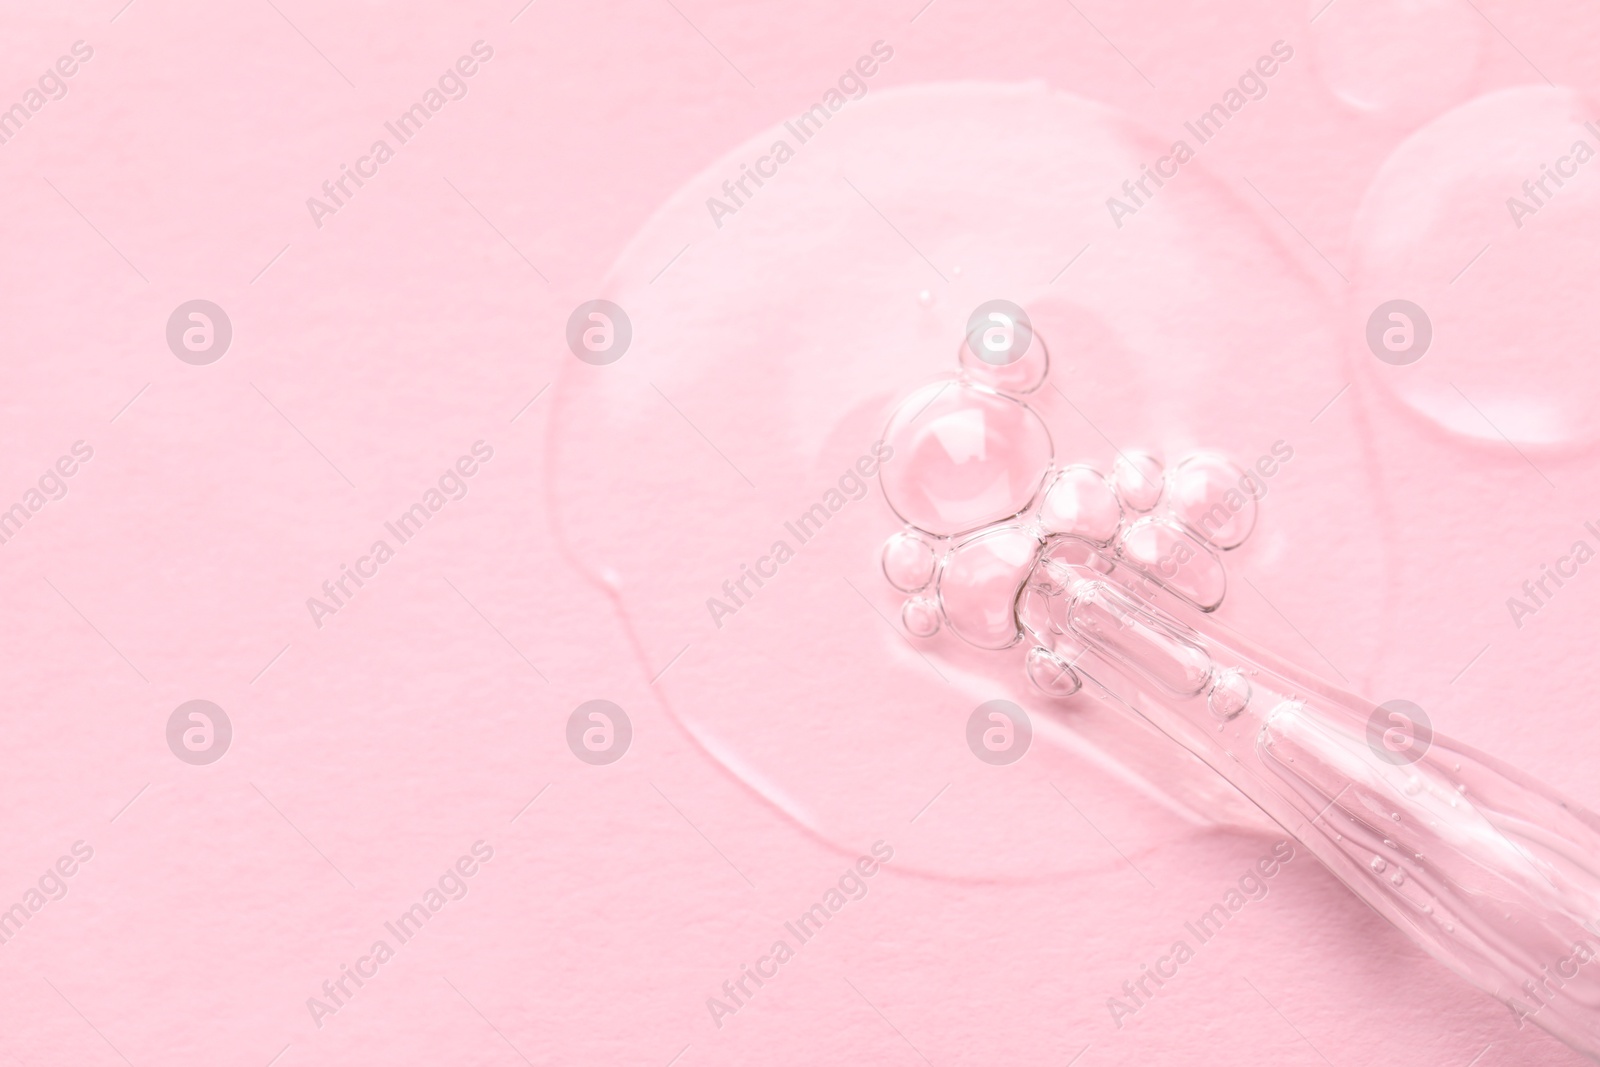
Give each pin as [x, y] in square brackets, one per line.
[1229, 695]
[1050, 674]
[1136, 477]
[1378, 864]
[907, 561]
[920, 616]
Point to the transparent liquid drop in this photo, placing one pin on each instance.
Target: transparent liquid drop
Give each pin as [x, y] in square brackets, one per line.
[1487, 265]
[850, 340]
[920, 615]
[908, 562]
[1404, 58]
[1378, 864]
[1050, 674]
[963, 458]
[1079, 501]
[1136, 476]
[979, 583]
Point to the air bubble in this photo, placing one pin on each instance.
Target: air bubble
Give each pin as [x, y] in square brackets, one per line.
[920, 616]
[964, 457]
[1136, 476]
[1216, 499]
[1166, 552]
[1079, 502]
[1229, 695]
[907, 562]
[980, 581]
[1379, 865]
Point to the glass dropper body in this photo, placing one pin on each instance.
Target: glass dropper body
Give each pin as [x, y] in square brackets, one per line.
[1486, 869]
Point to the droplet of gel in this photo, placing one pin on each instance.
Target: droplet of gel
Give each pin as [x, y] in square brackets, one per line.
[1229, 694]
[1079, 502]
[1378, 864]
[1508, 358]
[964, 457]
[1404, 58]
[907, 562]
[1398, 878]
[1136, 476]
[1216, 499]
[920, 616]
[980, 581]
[1050, 675]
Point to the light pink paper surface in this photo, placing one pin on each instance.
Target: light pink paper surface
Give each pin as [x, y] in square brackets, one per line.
[420, 720]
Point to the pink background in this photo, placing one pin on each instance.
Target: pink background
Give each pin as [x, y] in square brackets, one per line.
[369, 353]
